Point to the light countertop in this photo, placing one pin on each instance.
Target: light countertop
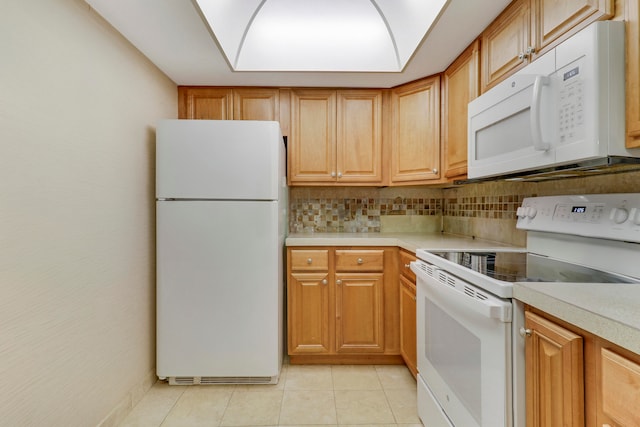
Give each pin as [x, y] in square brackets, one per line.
[409, 241]
[610, 311]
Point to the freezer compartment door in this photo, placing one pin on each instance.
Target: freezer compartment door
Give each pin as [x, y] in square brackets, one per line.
[219, 159]
[219, 289]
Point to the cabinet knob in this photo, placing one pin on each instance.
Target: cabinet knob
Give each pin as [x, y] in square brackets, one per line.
[333, 174]
[324, 281]
[407, 266]
[530, 50]
[339, 174]
[360, 261]
[435, 171]
[338, 282]
[525, 332]
[309, 261]
[521, 56]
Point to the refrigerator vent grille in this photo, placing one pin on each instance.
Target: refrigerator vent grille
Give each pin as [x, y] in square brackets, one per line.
[219, 380]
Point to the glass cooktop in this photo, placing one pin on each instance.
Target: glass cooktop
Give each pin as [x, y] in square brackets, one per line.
[527, 267]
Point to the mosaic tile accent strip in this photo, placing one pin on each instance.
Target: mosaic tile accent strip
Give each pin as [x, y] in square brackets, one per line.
[496, 207]
[357, 215]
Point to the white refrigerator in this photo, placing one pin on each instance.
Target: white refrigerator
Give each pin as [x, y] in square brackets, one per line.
[221, 218]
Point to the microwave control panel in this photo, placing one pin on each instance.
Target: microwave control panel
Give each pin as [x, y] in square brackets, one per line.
[571, 112]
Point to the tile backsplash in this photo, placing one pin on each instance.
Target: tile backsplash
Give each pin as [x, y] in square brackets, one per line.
[357, 210]
[484, 210]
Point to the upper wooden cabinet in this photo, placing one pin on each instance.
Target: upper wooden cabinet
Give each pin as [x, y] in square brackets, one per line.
[213, 103]
[415, 132]
[336, 137]
[256, 104]
[632, 18]
[554, 21]
[504, 43]
[208, 103]
[529, 28]
[460, 85]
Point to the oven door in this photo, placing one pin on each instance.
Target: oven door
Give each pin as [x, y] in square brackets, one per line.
[464, 352]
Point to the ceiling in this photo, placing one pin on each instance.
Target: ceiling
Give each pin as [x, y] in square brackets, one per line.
[174, 36]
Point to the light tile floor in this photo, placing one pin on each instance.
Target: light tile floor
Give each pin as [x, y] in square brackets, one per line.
[305, 395]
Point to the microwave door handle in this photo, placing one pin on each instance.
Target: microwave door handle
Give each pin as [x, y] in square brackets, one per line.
[536, 127]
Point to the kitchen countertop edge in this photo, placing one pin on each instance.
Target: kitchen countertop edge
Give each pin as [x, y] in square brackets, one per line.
[408, 241]
[602, 309]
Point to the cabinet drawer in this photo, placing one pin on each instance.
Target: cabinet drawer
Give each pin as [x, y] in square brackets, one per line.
[620, 388]
[405, 269]
[309, 259]
[360, 260]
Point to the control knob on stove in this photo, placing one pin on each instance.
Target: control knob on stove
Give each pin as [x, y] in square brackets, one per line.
[531, 212]
[634, 216]
[526, 212]
[619, 215]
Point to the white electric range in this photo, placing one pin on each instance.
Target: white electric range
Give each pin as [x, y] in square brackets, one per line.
[470, 351]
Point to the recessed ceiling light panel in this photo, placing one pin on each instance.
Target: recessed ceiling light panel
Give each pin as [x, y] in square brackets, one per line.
[319, 35]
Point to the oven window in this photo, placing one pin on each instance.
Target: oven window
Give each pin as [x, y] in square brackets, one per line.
[455, 354]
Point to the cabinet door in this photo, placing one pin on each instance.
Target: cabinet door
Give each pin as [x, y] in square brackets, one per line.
[405, 258]
[460, 85]
[359, 138]
[256, 104]
[205, 103]
[554, 374]
[359, 312]
[618, 380]
[309, 318]
[505, 42]
[415, 141]
[632, 16]
[408, 334]
[313, 136]
[555, 20]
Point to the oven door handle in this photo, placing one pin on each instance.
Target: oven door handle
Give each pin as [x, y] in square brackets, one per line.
[469, 299]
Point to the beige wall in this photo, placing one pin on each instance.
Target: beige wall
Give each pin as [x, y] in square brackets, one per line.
[78, 106]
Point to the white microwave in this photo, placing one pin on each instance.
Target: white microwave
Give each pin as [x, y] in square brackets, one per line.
[566, 107]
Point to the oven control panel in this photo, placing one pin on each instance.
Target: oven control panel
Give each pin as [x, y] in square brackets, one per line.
[608, 216]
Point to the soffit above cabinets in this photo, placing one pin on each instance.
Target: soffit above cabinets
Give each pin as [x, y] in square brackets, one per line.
[175, 36]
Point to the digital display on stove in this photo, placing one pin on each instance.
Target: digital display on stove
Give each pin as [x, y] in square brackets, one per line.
[578, 209]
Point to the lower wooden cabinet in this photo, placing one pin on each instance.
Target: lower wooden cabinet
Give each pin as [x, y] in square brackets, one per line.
[342, 305]
[575, 378]
[309, 313]
[618, 381]
[408, 342]
[408, 347]
[554, 370]
[359, 312]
